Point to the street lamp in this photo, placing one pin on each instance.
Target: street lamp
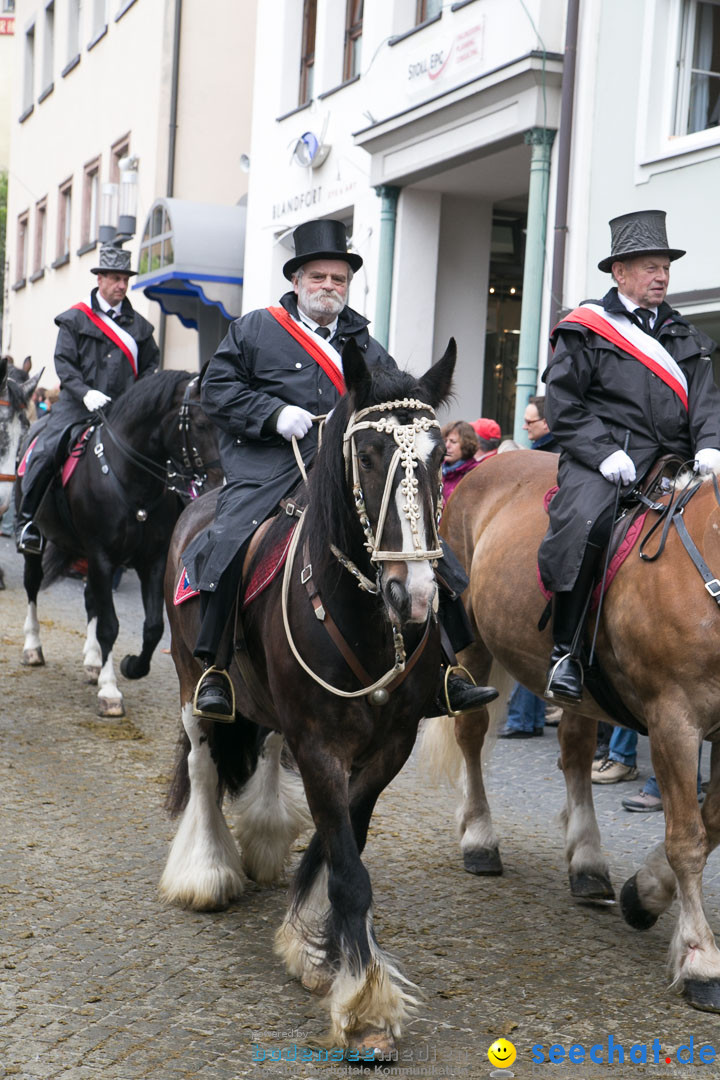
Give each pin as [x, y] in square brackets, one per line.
[119, 204]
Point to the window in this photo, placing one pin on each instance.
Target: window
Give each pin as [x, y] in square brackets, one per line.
[99, 20]
[40, 235]
[29, 69]
[90, 205]
[118, 150]
[73, 25]
[48, 46]
[156, 248]
[23, 222]
[427, 9]
[353, 38]
[7, 6]
[698, 94]
[64, 222]
[307, 59]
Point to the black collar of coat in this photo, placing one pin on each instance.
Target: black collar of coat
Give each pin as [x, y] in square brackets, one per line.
[349, 321]
[613, 304]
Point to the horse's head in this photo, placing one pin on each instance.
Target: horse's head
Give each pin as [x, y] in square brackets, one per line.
[191, 439]
[393, 453]
[14, 399]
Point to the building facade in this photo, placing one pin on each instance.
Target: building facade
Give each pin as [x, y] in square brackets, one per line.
[151, 95]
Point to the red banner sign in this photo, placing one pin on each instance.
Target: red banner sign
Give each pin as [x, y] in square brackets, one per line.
[7, 24]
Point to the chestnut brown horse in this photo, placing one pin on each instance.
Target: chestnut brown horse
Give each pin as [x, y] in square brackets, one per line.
[348, 715]
[659, 644]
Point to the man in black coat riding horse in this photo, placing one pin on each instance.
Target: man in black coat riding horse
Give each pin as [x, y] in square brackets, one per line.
[274, 371]
[627, 371]
[103, 347]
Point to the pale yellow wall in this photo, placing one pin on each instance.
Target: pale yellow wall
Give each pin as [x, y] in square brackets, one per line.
[7, 58]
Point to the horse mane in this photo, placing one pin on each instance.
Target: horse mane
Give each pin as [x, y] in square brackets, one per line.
[151, 396]
[333, 518]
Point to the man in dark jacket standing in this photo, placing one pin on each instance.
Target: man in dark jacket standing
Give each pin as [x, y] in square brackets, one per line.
[626, 370]
[103, 347]
[274, 371]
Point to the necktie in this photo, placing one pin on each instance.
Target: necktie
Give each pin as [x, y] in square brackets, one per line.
[323, 331]
[111, 313]
[644, 315]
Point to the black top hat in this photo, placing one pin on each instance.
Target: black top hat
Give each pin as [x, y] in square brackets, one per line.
[113, 259]
[321, 239]
[639, 233]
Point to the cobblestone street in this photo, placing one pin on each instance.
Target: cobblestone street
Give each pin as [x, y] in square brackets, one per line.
[97, 979]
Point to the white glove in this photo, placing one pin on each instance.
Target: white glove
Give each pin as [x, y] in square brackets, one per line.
[94, 400]
[618, 466]
[707, 461]
[293, 421]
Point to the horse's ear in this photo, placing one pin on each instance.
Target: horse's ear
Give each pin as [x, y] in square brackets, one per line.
[355, 371]
[3, 369]
[436, 384]
[27, 389]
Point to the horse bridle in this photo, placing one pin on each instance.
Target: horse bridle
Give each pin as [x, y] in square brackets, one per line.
[405, 435]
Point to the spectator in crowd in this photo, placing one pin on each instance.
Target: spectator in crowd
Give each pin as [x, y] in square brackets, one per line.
[488, 436]
[461, 442]
[534, 422]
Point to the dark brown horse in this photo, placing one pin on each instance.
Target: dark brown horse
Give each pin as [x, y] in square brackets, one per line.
[371, 507]
[658, 642]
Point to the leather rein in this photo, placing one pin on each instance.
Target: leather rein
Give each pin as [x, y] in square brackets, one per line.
[672, 514]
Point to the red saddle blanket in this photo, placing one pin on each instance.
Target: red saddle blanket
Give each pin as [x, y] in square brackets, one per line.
[627, 544]
[71, 462]
[267, 567]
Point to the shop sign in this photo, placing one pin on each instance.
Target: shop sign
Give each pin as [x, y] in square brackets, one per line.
[7, 25]
[447, 61]
[314, 198]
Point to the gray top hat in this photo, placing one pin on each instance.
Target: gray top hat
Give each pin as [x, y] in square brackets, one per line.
[325, 238]
[113, 259]
[639, 233]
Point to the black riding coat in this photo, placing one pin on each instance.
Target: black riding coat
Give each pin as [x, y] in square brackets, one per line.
[257, 369]
[595, 394]
[86, 359]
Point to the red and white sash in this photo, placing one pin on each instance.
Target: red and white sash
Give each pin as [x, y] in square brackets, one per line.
[313, 345]
[634, 341]
[118, 336]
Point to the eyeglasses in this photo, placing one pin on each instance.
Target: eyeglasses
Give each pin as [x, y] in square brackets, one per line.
[538, 420]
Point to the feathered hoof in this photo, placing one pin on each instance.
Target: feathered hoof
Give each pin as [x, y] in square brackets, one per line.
[633, 912]
[703, 994]
[33, 657]
[93, 674]
[110, 707]
[591, 888]
[318, 981]
[371, 1044]
[485, 862]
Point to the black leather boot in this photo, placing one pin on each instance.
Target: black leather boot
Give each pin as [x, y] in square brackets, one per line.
[570, 611]
[460, 695]
[214, 695]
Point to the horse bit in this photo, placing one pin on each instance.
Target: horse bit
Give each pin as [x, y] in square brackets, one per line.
[407, 456]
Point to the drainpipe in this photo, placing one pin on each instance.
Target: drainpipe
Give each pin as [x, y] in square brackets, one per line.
[541, 140]
[172, 142]
[388, 220]
[567, 104]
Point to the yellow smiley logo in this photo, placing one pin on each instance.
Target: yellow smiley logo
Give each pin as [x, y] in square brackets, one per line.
[502, 1053]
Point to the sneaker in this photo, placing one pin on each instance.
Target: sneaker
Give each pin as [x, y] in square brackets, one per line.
[553, 715]
[517, 733]
[612, 772]
[643, 803]
[598, 763]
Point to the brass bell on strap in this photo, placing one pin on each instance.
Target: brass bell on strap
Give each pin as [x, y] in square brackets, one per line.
[379, 697]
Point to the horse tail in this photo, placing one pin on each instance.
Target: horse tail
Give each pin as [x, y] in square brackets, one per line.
[234, 749]
[439, 756]
[55, 564]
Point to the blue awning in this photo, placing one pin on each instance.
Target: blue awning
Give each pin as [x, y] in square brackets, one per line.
[177, 292]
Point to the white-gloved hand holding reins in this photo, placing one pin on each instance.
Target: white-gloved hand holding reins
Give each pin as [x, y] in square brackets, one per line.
[618, 466]
[293, 420]
[707, 461]
[94, 400]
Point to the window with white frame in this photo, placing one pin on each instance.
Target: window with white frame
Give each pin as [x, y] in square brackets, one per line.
[7, 6]
[21, 251]
[427, 9]
[90, 203]
[698, 88]
[48, 45]
[29, 69]
[307, 57]
[99, 18]
[40, 236]
[73, 29]
[353, 39]
[64, 221]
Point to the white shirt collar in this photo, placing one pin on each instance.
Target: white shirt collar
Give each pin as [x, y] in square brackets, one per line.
[632, 306]
[103, 304]
[332, 327]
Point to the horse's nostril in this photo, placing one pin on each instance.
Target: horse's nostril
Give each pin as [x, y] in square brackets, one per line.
[398, 596]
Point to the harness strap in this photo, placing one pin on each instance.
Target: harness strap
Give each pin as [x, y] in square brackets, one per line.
[8, 478]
